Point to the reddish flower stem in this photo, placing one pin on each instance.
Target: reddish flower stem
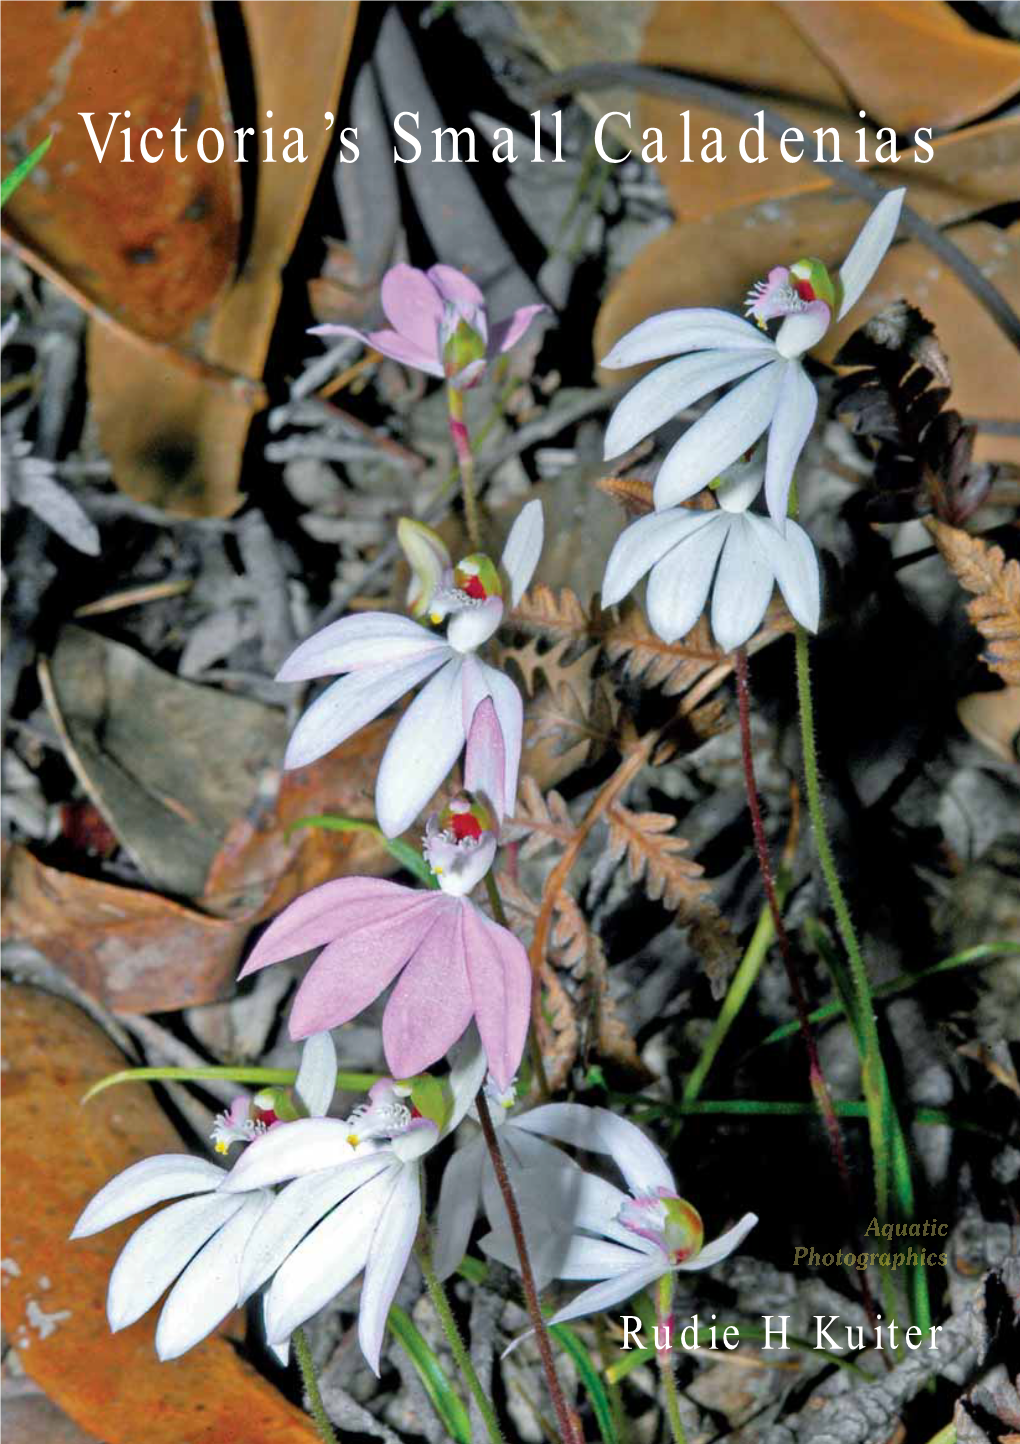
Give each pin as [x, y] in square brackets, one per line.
[819, 1084]
[570, 1431]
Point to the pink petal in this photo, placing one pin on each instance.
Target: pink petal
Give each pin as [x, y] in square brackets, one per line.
[510, 712]
[454, 286]
[500, 977]
[389, 343]
[431, 1005]
[353, 970]
[485, 759]
[507, 333]
[322, 914]
[414, 308]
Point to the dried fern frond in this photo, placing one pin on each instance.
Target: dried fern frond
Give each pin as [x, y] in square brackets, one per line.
[559, 614]
[653, 857]
[633, 494]
[673, 666]
[995, 583]
[541, 820]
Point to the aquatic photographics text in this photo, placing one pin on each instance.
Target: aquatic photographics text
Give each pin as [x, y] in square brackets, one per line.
[136, 141]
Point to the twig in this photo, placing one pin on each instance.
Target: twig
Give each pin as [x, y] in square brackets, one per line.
[684, 87]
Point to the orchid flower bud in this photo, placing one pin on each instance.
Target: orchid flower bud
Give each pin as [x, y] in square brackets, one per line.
[429, 561]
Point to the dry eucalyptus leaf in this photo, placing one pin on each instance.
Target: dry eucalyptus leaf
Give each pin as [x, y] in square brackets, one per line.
[169, 764]
[135, 951]
[56, 1155]
[993, 719]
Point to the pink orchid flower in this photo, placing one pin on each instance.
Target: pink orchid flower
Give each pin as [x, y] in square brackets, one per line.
[449, 961]
[439, 324]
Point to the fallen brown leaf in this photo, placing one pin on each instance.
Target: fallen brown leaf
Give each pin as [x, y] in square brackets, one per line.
[176, 438]
[134, 951]
[152, 245]
[993, 719]
[56, 1155]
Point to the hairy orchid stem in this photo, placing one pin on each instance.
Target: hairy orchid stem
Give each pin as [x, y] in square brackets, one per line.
[534, 1040]
[819, 1085]
[466, 464]
[313, 1398]
[462, 1358]
[874, 1084]
[664, 1309]
[569, 1432]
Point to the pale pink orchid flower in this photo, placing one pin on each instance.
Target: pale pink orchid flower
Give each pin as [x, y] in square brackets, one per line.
[384, 655]
[439, 324]
[450, 963]
[715, 348]
[353, 1205]
[199, 1240]
[581, 1227]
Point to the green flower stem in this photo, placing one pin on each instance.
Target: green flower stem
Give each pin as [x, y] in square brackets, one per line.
[461, 1356]
[664, 1303]
[741, 983]
[875, 1084]
[348, 1082]
[316, 1408]
[466, 464]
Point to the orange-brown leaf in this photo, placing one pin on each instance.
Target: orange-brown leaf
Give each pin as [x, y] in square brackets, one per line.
[56, 1155]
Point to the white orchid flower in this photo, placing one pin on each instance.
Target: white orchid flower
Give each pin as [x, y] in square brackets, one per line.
[198, 1241]
[384, 656]
[352, 1204]
[469, 1182]
[731, 552]
[581, 1227]
[715, 348]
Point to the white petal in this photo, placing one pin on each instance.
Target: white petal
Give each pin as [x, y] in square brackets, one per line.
[599, 1131]
[791, 425]
[523, 549]
[459, 1198]
[296, 1210]
[643, 543]
[387, 1259]
[510, 714]
[743, 585]
[326, 1260]
[795, 564]
[289, 1151]
[425, 744]
[668, 389]
[679, 585]
[346, 706]
[468, 1066]
[804, 329]
[316, 1080]
[671, 333]
[207, 1290]
[613, 1291]
[720, 1247]
[576, 1201]
[866, 253]
[157, 1252]
[153, 1180]
[717, 439]
[371, 639]
[470, 629]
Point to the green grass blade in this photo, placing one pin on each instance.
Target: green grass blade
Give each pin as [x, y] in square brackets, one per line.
[590, 1378]
[11, 182]
[346, 1082]
[978, 956]
[445, 1400]
[409, 857]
